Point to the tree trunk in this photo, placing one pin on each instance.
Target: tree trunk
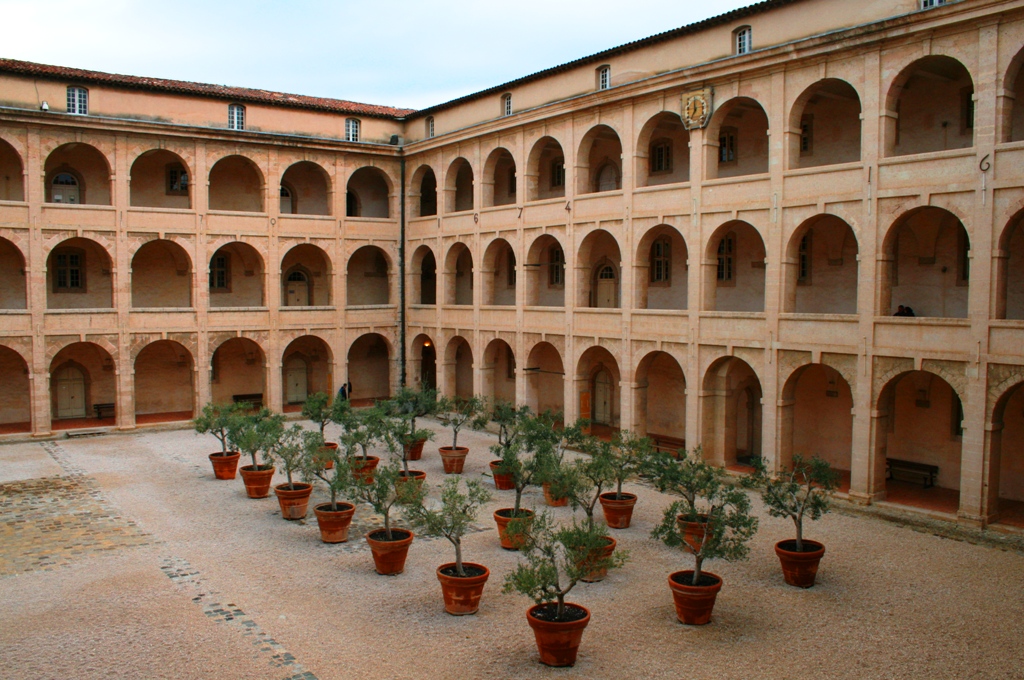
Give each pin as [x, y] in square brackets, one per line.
[458, 557]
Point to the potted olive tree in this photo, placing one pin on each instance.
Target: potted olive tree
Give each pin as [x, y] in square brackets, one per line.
[359, 434]
[510, 421]
[520, 462]
[556, 559]
[293, 447]
[256, 433]
[627, 456]
[462, 583]
[802, 492]
[551, 443]
[392, 428]
[389, 545]
[410, 404]
[218, 419]
[455, 413]
[335, 471]
[582, 481]
[317, 408]
[712, 521]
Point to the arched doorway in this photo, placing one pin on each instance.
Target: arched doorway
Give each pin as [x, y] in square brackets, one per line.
[660, 401]
[731, 419]
[820, 268]
[239, 373]
[161, 276]
[545, 379]
[15, 397]
[70, 392]
[423, 363]
[499, 372]
[369, 369]
[369, 277]
[1005, 437]
[815, 419]
[599, 277]
[734, 269]
[306, 368]
[164, 383]
[598, 379]
[83, 387]
[296, 387]
[458, 359]
[306, 277]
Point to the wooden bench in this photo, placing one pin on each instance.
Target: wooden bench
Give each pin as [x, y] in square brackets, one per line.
[102, 409]
[667, 444]
[926, 472]
[255, 399]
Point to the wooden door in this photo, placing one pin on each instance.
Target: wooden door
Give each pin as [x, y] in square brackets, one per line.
[607, 288]
[70, 393]
[603, 398]
[296, 290]
[295, 380]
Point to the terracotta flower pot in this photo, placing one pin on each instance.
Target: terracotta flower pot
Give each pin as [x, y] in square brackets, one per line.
[599, 574]
[333, 446]
[799, 568]
[414, 451]
[453, 459]
[334, 524]
[694, 603]
[257, 481]
[224, 464]
[294, 499]
[557, 641]
[502, 482]
[551, 500]
[389, 556]
[618, 512]
[693, 532]
[462, 593]
[363, 468]
[502, 517]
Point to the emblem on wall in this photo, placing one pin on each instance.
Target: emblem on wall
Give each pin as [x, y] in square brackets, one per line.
[697, 108]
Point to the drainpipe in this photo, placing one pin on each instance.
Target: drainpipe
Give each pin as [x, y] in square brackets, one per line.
[401, 275]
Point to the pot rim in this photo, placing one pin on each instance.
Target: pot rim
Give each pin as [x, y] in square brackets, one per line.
[529, 513]
[805, 553]
[393, 530]
[579, 623]
[303, 487]
[317, 508]
[464, 579]
[453, 450]
[609, 496]
[226, 454]
[675, 585]
[251, 468]
[413, 474]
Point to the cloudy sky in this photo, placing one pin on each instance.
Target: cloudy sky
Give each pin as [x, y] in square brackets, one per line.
[410, 53]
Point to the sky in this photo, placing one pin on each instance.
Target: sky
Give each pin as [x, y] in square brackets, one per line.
[406, 53]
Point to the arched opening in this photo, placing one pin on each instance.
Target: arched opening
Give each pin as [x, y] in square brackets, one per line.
[369, 369]
[161, 179]
[458, 368]
[236, 184]
[545, 379]
[458, 276]
[369, 277]
[79, 276]
[161, 276]
[13, 288]
[545, 170]
[920, 423]
[925, 267]
[597, 381]
[238, 372]
[423, 194]
[820, 268]
[1009, 266]
[458, 189]
[306, 277]
[1012, 108]
[83, 387]
[731, 413]
[660, 400]
[424, 276]
[825, 125]
[423, 363]
[499, 274]
[930, 107]
[77, 173]
[815, 419]
[740, 127]
[236, 276]
[15, 397]
[1006, 450]
[498, 374]
[369, 192]
[309, 190]
[12, 174]
[545, 273]
[499, 187]
[305, 369]
[661, 270]
[663, 151]
[734, 269]
[164, 389]
[598, 272]
[599, 162]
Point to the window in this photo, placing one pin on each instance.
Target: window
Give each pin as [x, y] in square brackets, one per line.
[727, 145]
[236, 117]
[78, 101]
[177, 180]
[64, 189]
[351, 205]
[743, 40]
[804, 273]
[967, 111]
[925, 4]
[807, 135]
[963, 264]
[430, 127]
[661, 156]
[351, 130]
[957, 419]
[510, 265]
[510, 363]
[287, 205]
[726, 249]
[69, 270]
[220, 273]
[607, 273]
[506, 105]
[604, 77]
[558, 173]
[556, 266]
[661, 262]
[512, 183]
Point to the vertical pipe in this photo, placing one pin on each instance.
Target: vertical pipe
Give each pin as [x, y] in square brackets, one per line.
[401, 275]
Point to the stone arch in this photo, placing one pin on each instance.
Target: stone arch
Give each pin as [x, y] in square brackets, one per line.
[598, 251]
[369, 277]
[661, 280]
[1008, 298]
[545, 170]
[238, 367]
[369, 368]
[91, 380]
[734, 269]
[161, 276]
[1004, 448]
[498, 373]
[458, 367]
[459, 187]
[737, 139]
[164, 382]
[369, 193]
[820, 270]
[815, 418]
[309, 188]
[160, 179]
[659, 401]
[423, 272]
[12, 173]
[545, 379]
[314, 287]
[825, 125]
[599, 381]
[498, 275]
[599, 161]
[13, 276]
[423, 362]
[545, 272]
[458, 275]
[929, 107]
[1010, 101]
[236, 276]
[499, 183]
[16, 395]
[312, 355]
[663, 151]
[79, 275]
[237, 184]
[423, 192]
[88, 166]
[731, 412]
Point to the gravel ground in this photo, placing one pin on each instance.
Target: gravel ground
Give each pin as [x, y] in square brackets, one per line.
[223, 587]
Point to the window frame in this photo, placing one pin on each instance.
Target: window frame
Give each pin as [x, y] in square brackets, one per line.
[506, 104]
[510, 266]
[353, 128]
[967, 110]
[225, 269]
[659, 159]
[77, 100]
[726, 273]
[429, 123]
[743, 40]
[604, 77]
[177, 180]
[236, 117]
[660, 263]
[806, 135]
[731, 146]
[558, 173]
[64, 170]
[556, 266]
[82, 286]
[805, 260]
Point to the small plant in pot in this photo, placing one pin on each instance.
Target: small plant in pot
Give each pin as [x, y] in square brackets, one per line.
[393, 430]
[291, 449]
[802, 492]
[255, 433]
[628, 453]
[335, 471]
[556, 559]
[410, 404]
[510, 421]
[520, 462]
[462, 583]
[712, 521]
[389, 545]
[455, 413]
[359, 434]
[317, 408]
[218, 419]
[583, 481]
[551, 443]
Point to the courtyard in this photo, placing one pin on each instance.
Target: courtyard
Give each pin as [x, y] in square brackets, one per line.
[121, 555]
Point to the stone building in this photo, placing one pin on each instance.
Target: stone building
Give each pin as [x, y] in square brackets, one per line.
[703, 236]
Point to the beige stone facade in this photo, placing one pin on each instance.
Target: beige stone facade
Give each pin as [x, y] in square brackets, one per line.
[671, 237]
